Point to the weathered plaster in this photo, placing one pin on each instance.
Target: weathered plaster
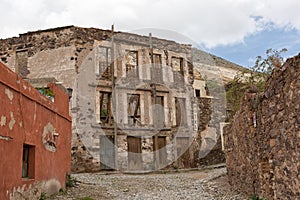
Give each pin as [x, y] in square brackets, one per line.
[48, 137]
[12, 121]
[9, 94]
[3, 120]
[34, 191]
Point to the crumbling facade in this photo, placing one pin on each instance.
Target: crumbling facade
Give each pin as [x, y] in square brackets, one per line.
[135, 100]
[35, 138]
[262, 144]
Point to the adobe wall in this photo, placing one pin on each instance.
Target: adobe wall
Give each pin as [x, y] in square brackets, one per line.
[262, 144]
[27, 117]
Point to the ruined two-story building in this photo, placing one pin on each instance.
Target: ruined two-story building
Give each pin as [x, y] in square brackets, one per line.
[136, 101]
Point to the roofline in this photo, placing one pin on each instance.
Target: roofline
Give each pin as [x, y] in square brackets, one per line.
[46, 30]
[72, 26]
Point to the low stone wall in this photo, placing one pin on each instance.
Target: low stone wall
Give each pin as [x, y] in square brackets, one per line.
[262, 144]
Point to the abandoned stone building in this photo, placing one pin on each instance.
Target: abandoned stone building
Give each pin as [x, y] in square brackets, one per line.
[35, 138]
[263, 141]
[138, 102]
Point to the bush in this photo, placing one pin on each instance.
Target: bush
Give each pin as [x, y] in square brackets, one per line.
[71, 181]
[255, 197]
[43, 196]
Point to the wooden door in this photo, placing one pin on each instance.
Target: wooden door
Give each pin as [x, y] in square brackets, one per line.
[134, 153]
[107, 152]
[183, 155]
[162, 151]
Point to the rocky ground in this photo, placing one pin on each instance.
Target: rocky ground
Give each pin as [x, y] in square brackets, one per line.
[197, 184]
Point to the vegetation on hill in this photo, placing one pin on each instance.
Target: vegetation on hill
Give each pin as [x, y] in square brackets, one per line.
[254, 78]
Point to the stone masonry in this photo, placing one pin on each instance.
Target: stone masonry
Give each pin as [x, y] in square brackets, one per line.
[262, 144]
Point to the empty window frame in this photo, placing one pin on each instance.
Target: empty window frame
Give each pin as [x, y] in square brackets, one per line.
[104, 62]
[22, 63]
[180, 107]
[28, 161]
[177, 66]
[106, 107]
[131, 63]
[134, 111]
[197, 93]
[156, 68]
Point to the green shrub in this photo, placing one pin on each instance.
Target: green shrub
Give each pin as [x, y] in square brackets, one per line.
[86, 198]
[43, 196]
[70, 181]
[255, 197]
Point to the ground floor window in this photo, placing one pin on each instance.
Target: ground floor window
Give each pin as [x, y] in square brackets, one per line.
[28, 161]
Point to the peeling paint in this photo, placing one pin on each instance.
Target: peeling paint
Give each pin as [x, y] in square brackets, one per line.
[5, 138]
[34, 191]
[48, 137]
[9, 94]
[3, 120]
[12, 121]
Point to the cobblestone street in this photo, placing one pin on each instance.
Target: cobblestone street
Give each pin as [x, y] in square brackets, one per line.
[200, 184]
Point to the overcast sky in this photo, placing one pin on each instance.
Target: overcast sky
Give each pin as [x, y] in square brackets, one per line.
[237, 30]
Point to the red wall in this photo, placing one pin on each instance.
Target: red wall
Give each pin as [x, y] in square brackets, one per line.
[24, 113]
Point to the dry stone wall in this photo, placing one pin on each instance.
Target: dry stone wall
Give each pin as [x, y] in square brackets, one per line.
[262, 144]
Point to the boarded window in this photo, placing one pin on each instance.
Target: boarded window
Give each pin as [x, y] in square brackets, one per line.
[180, 107]
[106, 107]
[158, 112]
[156, 68]
[134, 111]
[177, 66]
[132, 63]
[105, 63]
[28, 161]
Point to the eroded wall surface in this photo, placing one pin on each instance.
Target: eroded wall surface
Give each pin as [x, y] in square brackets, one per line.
[262, 144]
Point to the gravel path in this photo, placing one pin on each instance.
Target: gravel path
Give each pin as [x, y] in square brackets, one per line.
[204, 184]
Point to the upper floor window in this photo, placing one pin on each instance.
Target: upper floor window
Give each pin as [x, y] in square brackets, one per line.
[177, 66]
[159, 113]
[134, 111]
[22, 63]
[105, 62]
[180, 106]
[131, 63]
[197, 93]
[156, 68]
[106, 107]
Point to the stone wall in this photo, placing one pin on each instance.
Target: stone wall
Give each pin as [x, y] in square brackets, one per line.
[262, 144]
